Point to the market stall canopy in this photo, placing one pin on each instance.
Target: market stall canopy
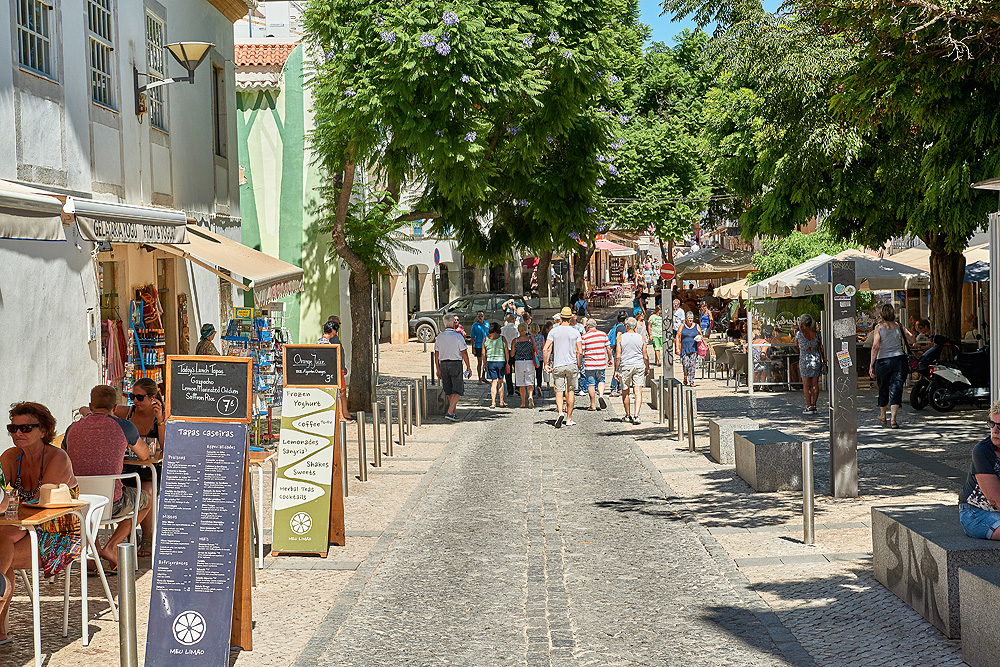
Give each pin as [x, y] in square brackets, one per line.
[811, 277]
[736, 290]
[920, 258]
[29, 214]
[615, 249]
[977, 272]
[714, 262]
[270, 278]
[124, 223]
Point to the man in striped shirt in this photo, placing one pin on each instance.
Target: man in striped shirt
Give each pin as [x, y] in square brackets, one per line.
[596, 357]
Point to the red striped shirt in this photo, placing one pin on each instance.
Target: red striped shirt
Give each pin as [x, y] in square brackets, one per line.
[595, 349]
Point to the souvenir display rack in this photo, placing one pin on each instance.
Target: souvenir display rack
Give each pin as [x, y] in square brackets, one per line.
[249, 334]
[147, 348]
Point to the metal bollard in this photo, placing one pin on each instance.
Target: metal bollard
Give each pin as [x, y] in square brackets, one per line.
[680, 413]
[128, 644]
[425, 408]
[388, 425]
[409, 410]
[417, 405]
[399, 417]
[432, 370]
[670, 403]
[808, 498]
[690, 419]
[658, 388]
[377, 434]
[343, 455]
[362, 447]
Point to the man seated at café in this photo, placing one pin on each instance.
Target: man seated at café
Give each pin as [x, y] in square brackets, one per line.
[96, 445]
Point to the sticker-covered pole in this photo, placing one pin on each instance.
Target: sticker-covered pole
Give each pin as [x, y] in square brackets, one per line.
[840, 345]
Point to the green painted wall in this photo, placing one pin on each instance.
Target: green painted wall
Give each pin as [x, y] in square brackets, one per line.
[279, 194]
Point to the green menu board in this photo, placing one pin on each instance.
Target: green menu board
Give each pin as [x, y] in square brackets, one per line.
[306, 452]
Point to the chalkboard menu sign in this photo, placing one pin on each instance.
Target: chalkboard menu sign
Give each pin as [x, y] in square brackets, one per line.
[209, 388]
[312, 365]
[194, 566]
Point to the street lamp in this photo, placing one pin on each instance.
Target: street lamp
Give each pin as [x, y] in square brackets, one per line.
[188, 54]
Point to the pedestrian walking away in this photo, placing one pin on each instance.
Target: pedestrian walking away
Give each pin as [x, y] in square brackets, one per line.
[496, 364]
[596, 358]
[686, 347]
[539, 340]
[617, 330]
[522, 349]
[563, 355]
[450, 352]
[479, 331]
[632, 361]
[888, 365]
[509, 333]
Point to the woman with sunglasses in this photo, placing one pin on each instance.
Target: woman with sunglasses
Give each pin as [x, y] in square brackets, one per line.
[146, 412]
[31, 462]
[979, 501]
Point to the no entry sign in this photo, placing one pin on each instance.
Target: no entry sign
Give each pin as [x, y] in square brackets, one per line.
[667, 272]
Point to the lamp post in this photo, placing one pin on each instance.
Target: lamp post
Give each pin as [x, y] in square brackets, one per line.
[188, 54]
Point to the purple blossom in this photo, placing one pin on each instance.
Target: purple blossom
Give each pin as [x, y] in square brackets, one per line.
[513, 129]
[331, 55]
[591, 209]
[388, 36]
[601, 228]
[427, 39]
[551, 140]
[445, 36]
[465, 78]
[449, 18]
[613, 79]
[554, 37]
[439, 133]
[613, 170]
[574, 236]
[522, 202]
[470, 137]
[600, 158]
[349, 92]
[600, 182]
[568, 55]
[528, 41]
[623, 119]
[443, 48]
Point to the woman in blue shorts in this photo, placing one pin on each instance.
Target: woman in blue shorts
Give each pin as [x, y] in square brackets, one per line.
[979, 501]
[496, 364]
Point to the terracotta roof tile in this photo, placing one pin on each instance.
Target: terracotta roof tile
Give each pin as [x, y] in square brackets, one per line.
[263, 53]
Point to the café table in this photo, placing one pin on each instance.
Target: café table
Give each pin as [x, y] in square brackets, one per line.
[29, 518]
[151, 463]
[257, 461]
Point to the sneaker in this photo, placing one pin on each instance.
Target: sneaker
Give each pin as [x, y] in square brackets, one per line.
[453, 418]
[571, 423]
[807, 411]
[581, 393]
[616, 394]
[560, 420]
[627, 419]
[601, 403]
[635, 420]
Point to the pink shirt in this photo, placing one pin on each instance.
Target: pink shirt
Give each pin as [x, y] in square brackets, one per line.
[96, 446]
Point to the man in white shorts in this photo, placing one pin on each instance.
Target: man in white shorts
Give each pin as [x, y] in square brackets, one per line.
[563, 356]
[632, 362]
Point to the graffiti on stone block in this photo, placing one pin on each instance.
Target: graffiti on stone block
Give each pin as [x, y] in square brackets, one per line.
[916, 575]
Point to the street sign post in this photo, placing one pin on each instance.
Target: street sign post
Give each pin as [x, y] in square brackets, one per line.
[667, 272]
[842, 380]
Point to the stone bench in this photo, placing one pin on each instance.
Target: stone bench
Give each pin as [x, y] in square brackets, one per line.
[768, 460]
[917, 553]
[979, 590]
[720, 433]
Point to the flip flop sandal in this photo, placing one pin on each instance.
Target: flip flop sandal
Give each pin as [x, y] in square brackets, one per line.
[110, 569]
[9, 639]
[145, 550]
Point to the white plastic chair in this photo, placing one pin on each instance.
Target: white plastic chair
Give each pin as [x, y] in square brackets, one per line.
[98, 503]
[104, 485]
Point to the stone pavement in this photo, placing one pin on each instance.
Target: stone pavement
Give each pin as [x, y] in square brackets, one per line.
[502, 540]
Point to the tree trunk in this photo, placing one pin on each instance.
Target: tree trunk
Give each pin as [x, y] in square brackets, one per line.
[583, 256]
[947, 279]
[544, 281]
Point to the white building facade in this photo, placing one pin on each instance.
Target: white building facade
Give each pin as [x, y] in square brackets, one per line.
[96, 202]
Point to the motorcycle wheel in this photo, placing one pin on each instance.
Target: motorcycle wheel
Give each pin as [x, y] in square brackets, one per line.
[918, 395]
[940, 399]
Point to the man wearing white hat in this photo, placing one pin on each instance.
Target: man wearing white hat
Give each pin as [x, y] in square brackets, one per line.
[563, 357]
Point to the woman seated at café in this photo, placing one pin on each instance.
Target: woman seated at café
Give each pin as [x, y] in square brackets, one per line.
[146, 412]
[979, 501]
[31, 462]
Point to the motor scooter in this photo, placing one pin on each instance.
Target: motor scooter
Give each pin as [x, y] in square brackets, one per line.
[918, 393]
[965, 380]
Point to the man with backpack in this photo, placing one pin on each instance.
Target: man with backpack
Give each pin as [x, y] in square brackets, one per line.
[618, 329]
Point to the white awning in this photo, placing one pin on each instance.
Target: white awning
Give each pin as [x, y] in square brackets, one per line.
[29, 214]
[123, 223]
[270, 278]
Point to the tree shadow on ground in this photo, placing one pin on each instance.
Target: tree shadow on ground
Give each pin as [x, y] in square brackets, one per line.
[656, 506]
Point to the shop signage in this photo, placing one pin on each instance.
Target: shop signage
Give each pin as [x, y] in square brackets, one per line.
[205, 388]
[307, 454]
[194, 565]
[311, 365]
[667, 271]
[122, 231]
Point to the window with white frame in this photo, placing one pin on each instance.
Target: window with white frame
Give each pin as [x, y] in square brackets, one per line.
[156, 65]
[100, 29]
[33, 36]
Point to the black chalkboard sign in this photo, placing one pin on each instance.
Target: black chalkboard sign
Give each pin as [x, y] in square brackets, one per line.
[194, 571]
[311, 365]
[209, 388]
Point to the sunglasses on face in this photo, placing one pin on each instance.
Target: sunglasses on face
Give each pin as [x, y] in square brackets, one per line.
[23, 428]
[994, 426]
[138, 398]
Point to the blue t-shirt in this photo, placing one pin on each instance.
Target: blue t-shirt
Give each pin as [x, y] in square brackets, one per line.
[479, 331]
